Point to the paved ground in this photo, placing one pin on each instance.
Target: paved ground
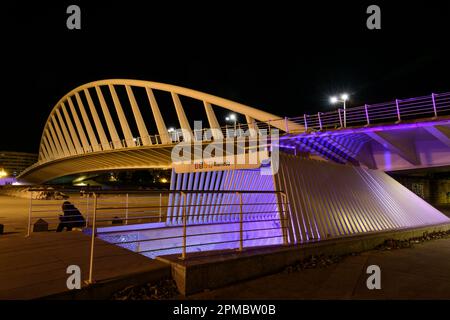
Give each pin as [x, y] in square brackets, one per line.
[14, 214]
[36, 266]
[421, 272]
[30, 268]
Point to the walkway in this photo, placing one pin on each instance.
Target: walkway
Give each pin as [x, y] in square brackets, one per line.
[35, 267]
[421, 272]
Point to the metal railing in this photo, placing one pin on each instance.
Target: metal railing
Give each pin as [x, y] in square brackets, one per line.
[43, 205]
[192, 221]
[431, 106]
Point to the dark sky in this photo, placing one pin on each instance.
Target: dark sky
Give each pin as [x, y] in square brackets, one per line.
[283, 57]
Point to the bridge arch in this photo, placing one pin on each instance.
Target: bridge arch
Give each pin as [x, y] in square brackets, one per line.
[82, 121]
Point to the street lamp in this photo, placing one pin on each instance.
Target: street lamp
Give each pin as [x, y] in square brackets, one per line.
[232, 117]
[343, 99]
[171, 131]
[3, 173]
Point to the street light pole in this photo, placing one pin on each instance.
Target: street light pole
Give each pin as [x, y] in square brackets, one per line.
[345, 115]
[344, 98]
[233, 118]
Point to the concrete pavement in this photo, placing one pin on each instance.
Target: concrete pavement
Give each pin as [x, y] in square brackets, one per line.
[35, 267]
[421, 272]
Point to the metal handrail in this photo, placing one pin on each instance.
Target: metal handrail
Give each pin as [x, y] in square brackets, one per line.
[368, 114]
[434, 104]
[185, 235]
[240, 209]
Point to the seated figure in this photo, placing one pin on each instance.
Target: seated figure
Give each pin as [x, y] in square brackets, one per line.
[71, 218]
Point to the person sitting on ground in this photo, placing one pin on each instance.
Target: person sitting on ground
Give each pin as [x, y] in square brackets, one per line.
[72, 218]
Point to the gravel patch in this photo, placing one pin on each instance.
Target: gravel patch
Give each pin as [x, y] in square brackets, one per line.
[392, 244]
[314, 261]
[161, 290]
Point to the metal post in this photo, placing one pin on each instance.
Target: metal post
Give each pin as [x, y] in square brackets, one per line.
[87, 210]
[126, 208]
[345, 116]
[160, 207]
[93, 231]
[30, 213]
[306, 122]
[241, 223]
[138, 246]
[320, 120]
[434, 105]
[286, 124]
[340, 117]
[284, 221]
[398, 110]
[367, 114]
[183, 198]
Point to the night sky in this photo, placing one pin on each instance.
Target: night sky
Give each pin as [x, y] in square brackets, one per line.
[282, 57]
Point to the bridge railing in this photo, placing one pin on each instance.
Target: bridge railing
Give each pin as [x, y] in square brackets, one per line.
[176, 136]
[149, 223]
[431, 106]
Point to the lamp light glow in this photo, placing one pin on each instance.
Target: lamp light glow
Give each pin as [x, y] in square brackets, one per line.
[344, 96]
[3, 173]
[333, 99]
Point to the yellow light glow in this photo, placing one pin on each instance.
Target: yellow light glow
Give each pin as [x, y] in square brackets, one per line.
[3, 173]
[79, 179]
[81, 184]
[163, 180]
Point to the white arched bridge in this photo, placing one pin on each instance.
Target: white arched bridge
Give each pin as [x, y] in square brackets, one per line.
[330, 178]
[101, 126]
[123, 124]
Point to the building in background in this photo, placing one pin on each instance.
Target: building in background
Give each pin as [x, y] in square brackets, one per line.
[13, 163]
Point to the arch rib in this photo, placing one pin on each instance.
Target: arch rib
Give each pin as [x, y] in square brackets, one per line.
[145, 138]
[97, 122]
[65, 133]
[129, 142]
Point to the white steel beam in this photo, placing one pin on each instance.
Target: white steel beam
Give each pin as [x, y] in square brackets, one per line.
[129, 142]
[59, 149]
[184, 123]
[78, 125]
[109, 122]
[69, 142]
[62, 142]
[160, 125]
[73, 133]
[52, 144]
[87, 124]
[145, 138]
[98, 124]
[213, 123]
